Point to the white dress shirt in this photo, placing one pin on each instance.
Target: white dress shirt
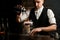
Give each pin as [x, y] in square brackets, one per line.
[38, 12]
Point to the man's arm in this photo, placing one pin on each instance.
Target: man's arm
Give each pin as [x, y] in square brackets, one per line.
[52, 21]
[49, 28]
[46, 29]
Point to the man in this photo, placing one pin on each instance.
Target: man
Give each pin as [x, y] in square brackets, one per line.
[43, 19]
[41, 12]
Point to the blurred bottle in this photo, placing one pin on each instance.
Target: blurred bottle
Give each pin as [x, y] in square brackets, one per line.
[2, 25]
[2, 28]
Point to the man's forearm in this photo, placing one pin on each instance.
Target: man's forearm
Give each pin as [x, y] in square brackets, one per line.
[49, 28]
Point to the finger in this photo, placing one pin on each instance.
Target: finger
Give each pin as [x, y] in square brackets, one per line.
[32, 32]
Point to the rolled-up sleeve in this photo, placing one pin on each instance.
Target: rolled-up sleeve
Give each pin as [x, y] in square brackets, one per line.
[51, 16]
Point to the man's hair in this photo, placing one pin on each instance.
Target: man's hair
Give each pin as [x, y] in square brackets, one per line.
[43, 0]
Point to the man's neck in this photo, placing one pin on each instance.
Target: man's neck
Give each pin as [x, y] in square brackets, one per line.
[39, 8]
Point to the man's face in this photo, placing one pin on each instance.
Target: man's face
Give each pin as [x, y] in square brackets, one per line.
[38, 3]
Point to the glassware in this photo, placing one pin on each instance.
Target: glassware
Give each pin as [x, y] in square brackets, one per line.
[27, 27]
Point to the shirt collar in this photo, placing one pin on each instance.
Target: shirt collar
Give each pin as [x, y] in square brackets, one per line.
[40, 9]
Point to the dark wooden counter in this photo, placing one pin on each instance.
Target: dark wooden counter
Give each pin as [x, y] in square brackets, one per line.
[27, 37]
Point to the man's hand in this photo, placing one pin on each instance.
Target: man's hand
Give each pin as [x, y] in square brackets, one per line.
[35, 30]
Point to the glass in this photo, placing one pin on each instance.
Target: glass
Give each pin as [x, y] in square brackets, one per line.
[27, 27]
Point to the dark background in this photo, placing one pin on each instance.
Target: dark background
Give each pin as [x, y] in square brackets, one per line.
[7, 7]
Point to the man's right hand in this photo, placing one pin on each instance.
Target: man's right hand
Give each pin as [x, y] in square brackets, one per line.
[35, 30]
